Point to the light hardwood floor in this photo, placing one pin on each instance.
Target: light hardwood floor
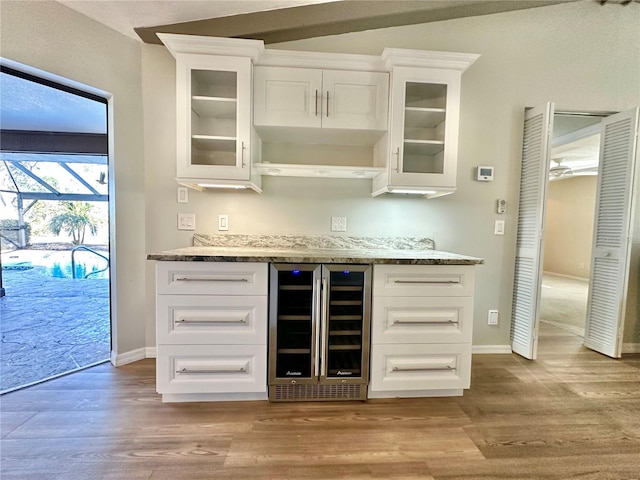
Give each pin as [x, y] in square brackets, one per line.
[571, 414]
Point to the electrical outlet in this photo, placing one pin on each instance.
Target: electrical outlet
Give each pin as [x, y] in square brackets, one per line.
[493, 317]
[186, 221]
[338, 224]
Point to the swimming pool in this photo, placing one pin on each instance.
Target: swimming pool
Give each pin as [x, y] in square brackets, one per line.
[57, 263]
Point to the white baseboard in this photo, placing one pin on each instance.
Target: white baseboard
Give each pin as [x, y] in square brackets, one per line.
[631, 348]
[150, 352]
[480, 349]
[571, 277]
[128, 357]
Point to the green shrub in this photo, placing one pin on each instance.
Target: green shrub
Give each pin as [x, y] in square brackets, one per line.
[9, 230]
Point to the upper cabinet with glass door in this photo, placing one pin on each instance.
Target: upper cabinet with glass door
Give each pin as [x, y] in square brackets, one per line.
[423, 125]
[215, 135]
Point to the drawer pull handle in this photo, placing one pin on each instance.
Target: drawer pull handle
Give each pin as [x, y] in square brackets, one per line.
[425, 322]
[423, 369]
[209, 279]
[206, 320]
[211, 371]
[429, 282]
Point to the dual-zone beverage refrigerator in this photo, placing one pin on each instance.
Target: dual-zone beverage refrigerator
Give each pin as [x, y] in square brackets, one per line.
[319, 327]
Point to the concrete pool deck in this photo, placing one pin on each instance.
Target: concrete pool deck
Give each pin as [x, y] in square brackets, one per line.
[50, 326]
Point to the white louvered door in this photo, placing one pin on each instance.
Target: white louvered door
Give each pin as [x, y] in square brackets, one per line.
[538, 126]
[612, 234]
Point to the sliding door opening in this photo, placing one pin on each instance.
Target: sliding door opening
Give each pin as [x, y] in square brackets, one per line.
[54, 230]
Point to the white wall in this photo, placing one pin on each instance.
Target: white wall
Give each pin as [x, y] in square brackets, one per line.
[581, 55]
[53, 38]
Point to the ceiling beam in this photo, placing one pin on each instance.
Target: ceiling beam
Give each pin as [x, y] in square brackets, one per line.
[334, 18]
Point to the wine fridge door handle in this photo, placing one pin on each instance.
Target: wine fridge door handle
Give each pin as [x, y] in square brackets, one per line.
[316, 326]
[324, 313]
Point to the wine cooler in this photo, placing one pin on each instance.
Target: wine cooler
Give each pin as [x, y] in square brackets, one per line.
[319, 323]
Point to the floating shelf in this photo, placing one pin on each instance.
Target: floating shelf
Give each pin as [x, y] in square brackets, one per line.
[318, 171]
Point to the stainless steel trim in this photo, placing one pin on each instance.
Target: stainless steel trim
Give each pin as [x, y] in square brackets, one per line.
[210, 279]
[323, 319]
[317, 305]
[211, 371]
[429, 282]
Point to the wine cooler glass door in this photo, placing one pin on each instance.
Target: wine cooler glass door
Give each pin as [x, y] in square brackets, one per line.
[293, 322]
[345, 322]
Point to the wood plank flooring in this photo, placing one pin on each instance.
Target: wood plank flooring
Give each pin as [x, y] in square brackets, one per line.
[571, 414]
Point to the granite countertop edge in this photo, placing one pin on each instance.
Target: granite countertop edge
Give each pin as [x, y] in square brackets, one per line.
[350, 256]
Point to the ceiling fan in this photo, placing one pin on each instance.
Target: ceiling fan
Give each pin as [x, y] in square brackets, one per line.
[558, 171]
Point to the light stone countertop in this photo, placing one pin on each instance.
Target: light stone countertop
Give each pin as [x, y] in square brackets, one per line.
[314, 255]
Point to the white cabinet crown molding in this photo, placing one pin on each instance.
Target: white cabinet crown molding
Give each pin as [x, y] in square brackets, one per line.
[228, 47]
[402, 57]
[321, 60]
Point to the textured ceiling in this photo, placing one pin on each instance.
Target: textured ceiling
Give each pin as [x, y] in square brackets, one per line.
[280, 20]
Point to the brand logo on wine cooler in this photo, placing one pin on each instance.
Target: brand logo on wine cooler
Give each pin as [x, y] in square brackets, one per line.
[293, 374]
[341, 373]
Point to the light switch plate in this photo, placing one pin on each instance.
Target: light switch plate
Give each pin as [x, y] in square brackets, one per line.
[183, 195]
[493, 317]
[498, 228]
[186, 221]
[223, 223]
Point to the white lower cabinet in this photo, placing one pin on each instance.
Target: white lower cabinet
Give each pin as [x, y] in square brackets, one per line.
[211, 331]
[421, 327]
[201, 369]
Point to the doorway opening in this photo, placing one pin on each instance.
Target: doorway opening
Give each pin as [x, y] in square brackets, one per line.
[54, 230]
[570, 215]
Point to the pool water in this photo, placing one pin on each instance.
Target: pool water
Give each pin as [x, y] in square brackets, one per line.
[57, 263]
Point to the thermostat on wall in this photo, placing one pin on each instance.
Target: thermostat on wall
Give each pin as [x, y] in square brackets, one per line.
[485, 174]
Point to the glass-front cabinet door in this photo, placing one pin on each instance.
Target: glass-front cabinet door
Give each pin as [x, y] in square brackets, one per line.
[214, 118]
[424, 127]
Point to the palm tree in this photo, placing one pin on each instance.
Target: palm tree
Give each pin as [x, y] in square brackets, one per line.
[74, 220]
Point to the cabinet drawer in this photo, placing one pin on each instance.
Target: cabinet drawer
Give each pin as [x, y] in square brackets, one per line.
[421, 320]
[423, 280]
[211, 278]
[420, 367]
[211, 369]
[198, 319]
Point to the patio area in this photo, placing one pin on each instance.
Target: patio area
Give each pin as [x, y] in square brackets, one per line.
[50, 326]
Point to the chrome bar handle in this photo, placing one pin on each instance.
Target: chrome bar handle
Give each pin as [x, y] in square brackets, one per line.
[242, 154]
[397, 154]
[429, 282]
[317, 305]
[210, 279]
[324, 333]
[423, 369]
[194, 321]
[425, 322]
[211, 371]
[316, 103]
[327, 103]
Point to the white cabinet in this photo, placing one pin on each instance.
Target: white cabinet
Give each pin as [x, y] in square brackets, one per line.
[306, 97]
[211, 331]
[215, 140]
[423, 123]
[421, 327]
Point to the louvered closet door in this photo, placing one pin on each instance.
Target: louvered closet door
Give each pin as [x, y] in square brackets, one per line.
[538, 126]
[612, 234]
